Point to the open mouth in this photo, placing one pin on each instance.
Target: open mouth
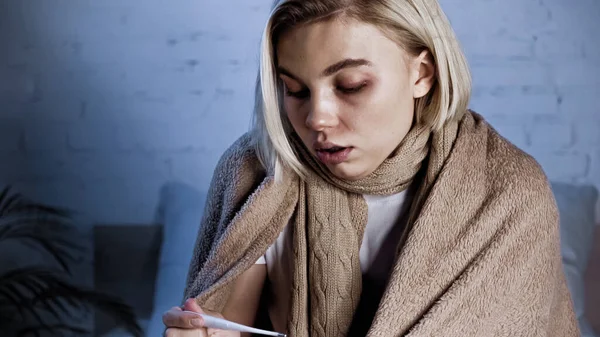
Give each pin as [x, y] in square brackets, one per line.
[334, 154]
[332, 149]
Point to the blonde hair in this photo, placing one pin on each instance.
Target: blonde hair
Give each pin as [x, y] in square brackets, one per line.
[416, 25]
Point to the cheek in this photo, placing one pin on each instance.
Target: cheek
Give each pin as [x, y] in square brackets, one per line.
[293, 113]
[395, 104]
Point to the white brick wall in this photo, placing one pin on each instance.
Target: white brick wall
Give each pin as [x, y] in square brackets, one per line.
[102, 102]
[536, 69]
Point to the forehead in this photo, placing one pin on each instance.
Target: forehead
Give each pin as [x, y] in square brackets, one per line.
[313, 47]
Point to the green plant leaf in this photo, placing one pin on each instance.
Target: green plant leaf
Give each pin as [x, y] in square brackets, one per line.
[27, 233]
[14, 203]
[26, 293]
[51, 328]
[29, 289]
[45, 227]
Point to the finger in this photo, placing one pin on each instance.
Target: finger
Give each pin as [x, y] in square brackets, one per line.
[170, 332]
[179, 319]
[175, 332]
[220, 333]
[191, 305]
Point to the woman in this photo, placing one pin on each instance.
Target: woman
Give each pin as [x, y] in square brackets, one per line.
[367, 199]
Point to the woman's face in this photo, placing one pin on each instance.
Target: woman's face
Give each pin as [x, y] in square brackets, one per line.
[349, 92]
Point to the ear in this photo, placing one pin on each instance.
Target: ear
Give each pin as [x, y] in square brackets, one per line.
[424, 74]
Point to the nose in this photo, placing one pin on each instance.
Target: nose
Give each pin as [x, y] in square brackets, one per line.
[322, 115]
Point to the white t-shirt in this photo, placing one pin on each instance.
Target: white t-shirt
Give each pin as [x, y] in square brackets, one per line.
[385, 224]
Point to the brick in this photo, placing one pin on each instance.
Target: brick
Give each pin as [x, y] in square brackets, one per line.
[559, 46]
[45, 135]
[11, 168]
[125, 51]
[482, 48]
[577, 73]
[51, 108]
[11, 135]
[61, 192]
[118, 166]
[551, 134]
[183, 79]
[126, 108]
[594, 177]
[86, 166]
[581, 101]
[18, 84]
[156, 136]
[65, 19]
[173, 85]
[17, 52]
[110, 81]
[92, 136]
[170, 47]
[577, 18]
[223, 47]
[587, 133]
[122, 201]
[563, 166]
[228, 111]
[195, 168]
[516, 104]
[511, 74]
[66, 81]
[189, 106]
[11, 110]
[132, 201]
[594, 174]
[218, 14]
[36, 166]
[529, 16]
[238, 78]
[129, 201]
[591, 52]
[480, 91]
[177, 102]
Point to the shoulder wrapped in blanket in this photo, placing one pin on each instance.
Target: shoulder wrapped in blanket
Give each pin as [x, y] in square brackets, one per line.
[482, 257]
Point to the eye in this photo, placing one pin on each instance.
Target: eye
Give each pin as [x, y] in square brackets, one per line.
[298, 94]
[352, 89]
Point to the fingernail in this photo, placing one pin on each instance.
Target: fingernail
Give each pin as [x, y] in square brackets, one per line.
[196, 322]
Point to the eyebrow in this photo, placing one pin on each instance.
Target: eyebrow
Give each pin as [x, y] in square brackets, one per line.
[332, 69]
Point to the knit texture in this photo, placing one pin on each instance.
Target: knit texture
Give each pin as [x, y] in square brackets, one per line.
[336, 216]
[481, 256]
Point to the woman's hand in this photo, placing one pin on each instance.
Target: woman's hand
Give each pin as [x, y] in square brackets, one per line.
[241, 308]
[184, 324]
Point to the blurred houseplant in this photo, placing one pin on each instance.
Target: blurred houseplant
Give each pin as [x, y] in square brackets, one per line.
[42, 300]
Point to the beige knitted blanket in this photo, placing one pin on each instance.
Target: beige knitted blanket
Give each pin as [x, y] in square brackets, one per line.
[481, 257]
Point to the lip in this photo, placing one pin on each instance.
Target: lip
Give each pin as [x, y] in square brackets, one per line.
[318, 146]
[332, 158]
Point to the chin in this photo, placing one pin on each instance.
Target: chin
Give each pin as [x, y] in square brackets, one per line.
[347, 171]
